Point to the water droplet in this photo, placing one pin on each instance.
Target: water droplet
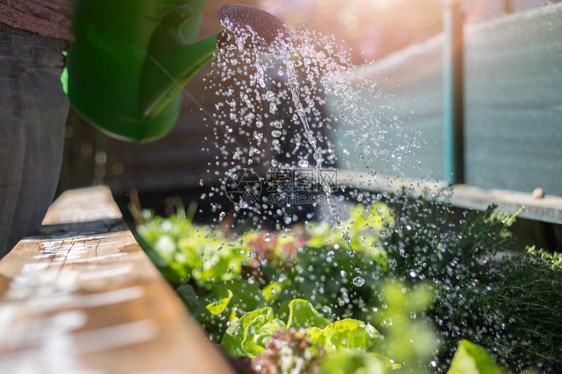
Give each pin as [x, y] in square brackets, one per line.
[358, 281]
[272, 108]
[269, 96]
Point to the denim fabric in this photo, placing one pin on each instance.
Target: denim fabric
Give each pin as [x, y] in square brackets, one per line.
[33, 110]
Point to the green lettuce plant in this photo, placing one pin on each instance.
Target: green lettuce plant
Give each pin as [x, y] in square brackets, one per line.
[398, 289]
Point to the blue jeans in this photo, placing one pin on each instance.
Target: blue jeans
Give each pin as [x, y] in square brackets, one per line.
[33, 111]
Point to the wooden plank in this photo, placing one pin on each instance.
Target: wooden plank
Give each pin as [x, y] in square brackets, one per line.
[82, 297]
[544, 209]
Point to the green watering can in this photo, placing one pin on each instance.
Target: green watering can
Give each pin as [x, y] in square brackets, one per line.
[131, 59]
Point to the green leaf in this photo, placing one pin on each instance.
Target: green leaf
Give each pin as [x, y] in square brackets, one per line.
[300, 313]
[220, 305]
[225, 302]
[246, 296]
[313, 333]
[349, 334]
[471, 358]
[272, 291]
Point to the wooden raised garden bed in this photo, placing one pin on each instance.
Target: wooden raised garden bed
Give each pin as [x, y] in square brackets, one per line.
[81, 296]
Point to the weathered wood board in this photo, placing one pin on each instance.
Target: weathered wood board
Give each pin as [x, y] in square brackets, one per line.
[80, 296]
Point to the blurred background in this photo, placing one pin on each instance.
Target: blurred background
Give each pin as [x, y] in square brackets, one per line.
[186, 159]
[375, 28]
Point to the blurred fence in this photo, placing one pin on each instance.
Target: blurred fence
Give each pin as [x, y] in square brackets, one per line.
[512, 105]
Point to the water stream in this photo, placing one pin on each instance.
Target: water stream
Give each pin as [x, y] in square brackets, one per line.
[317, 152]
[283, 92]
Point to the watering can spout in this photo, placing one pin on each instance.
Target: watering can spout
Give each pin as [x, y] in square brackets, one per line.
[268, 28]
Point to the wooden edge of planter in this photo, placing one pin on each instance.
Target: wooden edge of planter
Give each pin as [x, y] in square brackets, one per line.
[80, 296]
[545, 209]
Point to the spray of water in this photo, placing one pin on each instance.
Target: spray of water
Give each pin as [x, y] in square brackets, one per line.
[270, 115]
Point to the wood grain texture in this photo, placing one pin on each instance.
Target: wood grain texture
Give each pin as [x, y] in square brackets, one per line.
[80, 296]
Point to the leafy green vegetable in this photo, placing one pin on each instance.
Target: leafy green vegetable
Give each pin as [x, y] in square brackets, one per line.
[246, 336]
[333, 281]
[186, 251]
[224, 302]
[348, 334]
[470, 358]
[352, 362]
[261, 294]
[363, 228]
[409, 338]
